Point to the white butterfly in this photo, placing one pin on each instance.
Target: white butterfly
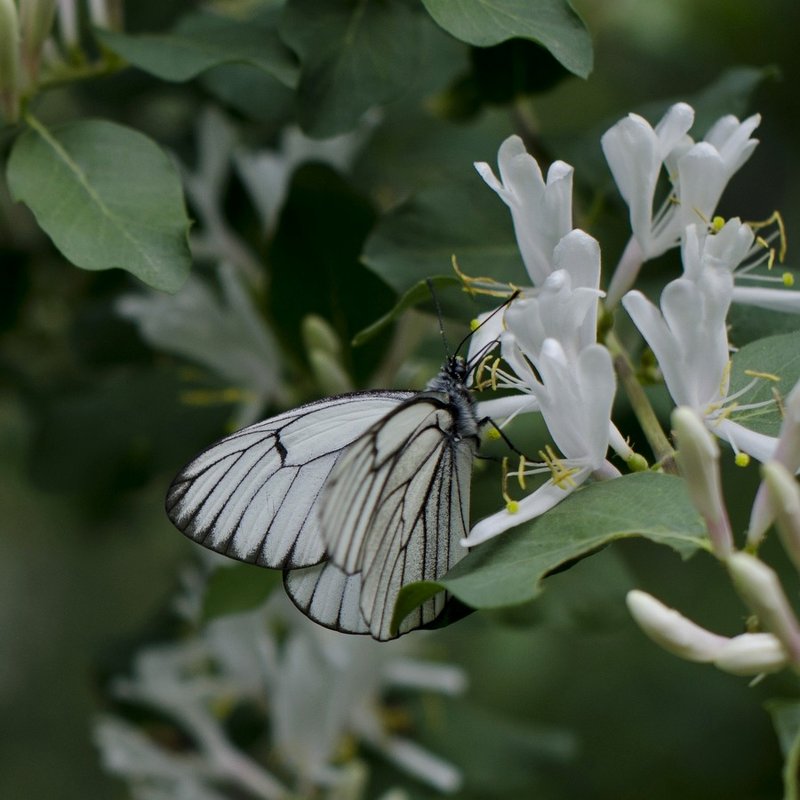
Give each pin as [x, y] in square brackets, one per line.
[353, 497]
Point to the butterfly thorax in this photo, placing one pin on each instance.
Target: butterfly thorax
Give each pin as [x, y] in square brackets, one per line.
[452, 382]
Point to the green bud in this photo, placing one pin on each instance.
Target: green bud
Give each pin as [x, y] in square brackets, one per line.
[331, 376]
[318, 334]
[9, 59]
[36, 21]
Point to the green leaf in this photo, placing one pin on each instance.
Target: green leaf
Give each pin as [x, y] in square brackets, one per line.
[107, 196]
[202, 41]
[786, 719]
[509, 570]
[418, 239]
[418, 293]
[237, 588]
[552, 23]
[354, 54]
[775, 355]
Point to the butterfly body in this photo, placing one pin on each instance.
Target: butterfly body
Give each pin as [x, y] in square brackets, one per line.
[353, 497]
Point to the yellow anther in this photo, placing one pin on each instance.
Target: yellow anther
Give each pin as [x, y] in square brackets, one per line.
[767, 376]
[495, 367]
[742, 460]
[559, 472]
[521, 473]
[480, 383]
[474, 324]
[774, 219]
[788, 279]
[512, 506]
[717, 224]
[493, 434]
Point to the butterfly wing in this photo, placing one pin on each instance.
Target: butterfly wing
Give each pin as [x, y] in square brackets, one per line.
[327, 595]
[254, 495]
[396, 506]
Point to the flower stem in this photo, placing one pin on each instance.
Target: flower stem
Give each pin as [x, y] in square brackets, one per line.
[642, 408]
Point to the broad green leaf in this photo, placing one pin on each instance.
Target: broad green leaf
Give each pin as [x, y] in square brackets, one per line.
[419, 238]
[777, 356]
[786, 719]
[509, 570]
[354, 54]
[552, 23]
[202, 41]
[107, 196]
[240, 587]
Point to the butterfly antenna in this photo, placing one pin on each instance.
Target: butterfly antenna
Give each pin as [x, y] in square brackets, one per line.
[439, 317]
[514, 296]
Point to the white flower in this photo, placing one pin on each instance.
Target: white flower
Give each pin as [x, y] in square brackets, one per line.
[563, 308]
[697, 172]
[690, 341]
[733, 247]
[542, 212]
[575, 399]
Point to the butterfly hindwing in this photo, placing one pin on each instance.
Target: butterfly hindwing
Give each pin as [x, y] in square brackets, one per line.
[254, 495]
[397, 504]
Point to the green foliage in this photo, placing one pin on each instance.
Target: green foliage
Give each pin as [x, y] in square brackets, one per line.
[552, 23]
[509, 570]
[777, 356]
[108, 197]
[202, 41]
[786, 718]
[419, 238]
[354, 54]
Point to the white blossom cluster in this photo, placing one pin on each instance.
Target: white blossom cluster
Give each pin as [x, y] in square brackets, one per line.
[550, 358]
[322, 692]
[552, 363]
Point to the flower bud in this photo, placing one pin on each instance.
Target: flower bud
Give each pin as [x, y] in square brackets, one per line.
[760, 588]
[9, 60]
[698, 459]
[787, 452]
[784, 497]
[671, 630]
[318, 334]
[751, 654]
[36, 20]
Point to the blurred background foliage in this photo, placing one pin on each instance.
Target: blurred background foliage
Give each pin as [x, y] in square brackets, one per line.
[96, 417]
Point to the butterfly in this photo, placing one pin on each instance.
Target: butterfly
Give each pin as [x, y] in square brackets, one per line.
[353, 497]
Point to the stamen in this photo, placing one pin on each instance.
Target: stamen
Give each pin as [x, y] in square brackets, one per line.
[559, 472]
[767, 376]
[482, 285]
[774, 219]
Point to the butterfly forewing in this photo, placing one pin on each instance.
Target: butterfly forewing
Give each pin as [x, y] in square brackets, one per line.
[254, 495]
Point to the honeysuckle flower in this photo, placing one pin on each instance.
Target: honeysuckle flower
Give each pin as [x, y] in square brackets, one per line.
[690, 341]
[564, 308]
[698, 173]
[746, 654]
[761, 589]
[541, 211]
[575, 398]
[732, 246]
[698, 459]
[787, 454]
